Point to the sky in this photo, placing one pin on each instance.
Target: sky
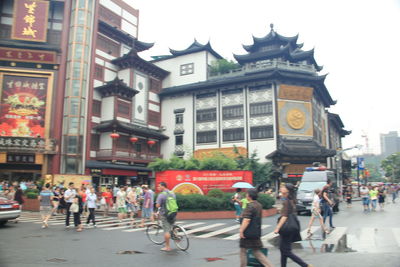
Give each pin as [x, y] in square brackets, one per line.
[357, 42]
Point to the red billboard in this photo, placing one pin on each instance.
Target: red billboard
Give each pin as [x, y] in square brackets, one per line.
[23, 105]
[200, 182]
[30, 20]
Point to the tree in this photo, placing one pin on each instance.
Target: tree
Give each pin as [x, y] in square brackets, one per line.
[261, 171]
[221, 66]
[391, 166]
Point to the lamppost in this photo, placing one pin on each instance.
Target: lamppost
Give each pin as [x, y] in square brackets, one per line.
[338, 158]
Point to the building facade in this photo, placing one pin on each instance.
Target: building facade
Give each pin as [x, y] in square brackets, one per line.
[274, 104]
[76, 98]
[390, 143]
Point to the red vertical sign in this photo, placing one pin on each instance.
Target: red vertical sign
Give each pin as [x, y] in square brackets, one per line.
[30, 20]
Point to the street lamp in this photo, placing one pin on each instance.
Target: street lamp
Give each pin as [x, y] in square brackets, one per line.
[338, 157]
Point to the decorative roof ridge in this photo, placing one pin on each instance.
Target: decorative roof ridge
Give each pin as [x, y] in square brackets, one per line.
[195, 47]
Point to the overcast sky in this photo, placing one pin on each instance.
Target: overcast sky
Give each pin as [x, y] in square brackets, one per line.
[357, 42]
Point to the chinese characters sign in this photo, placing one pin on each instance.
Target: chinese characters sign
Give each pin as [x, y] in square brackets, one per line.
[30, 20]
[23, 105]
[26, 55]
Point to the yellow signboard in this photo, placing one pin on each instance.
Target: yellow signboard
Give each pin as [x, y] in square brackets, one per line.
[227, 151]
[65, 179]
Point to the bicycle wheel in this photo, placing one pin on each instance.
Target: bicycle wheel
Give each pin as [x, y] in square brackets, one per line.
[155, 233]
[180, 237]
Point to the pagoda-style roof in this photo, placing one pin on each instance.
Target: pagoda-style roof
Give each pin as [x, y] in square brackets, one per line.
[117, 34]
[129, 128]
[117, 87]
[300, 148]
[275, 46]
[336, 121]
[316, 81]
[193, 48]
[133, 60]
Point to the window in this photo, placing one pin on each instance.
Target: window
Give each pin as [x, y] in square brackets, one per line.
[96, 108]
[257, 109]
[108, 46]
[155, 85]
[123, 109]
[233, 134]
[179, 140]
[154, 118]
[187, 69]
[262, 132]
[205, 95]
[154, 148]
[232, 91]
[138, 147]
[178, 118]
[98, 72]
[206, 115]
[108, 16]
[207, 137]
[232, 112]
[95, 142]
[123, 142]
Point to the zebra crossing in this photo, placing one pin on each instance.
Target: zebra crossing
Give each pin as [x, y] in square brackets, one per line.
[365, 239]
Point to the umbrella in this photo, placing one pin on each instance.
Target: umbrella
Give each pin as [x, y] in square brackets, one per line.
[242, 185]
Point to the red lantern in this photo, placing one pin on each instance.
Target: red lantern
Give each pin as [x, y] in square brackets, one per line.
[114, 135]
[134, 139]
[151, 142]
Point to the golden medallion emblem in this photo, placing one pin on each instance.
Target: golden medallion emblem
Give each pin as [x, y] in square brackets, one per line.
[296, 118]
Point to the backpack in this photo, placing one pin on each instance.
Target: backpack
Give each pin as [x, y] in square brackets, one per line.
[171, 207]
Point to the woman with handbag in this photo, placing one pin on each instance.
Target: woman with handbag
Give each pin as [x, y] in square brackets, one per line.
[288, 226]
[250, 230]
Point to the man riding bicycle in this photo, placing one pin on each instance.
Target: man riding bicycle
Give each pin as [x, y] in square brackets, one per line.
[167, 222]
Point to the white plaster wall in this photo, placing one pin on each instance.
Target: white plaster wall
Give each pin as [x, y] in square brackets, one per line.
[263, 148]
[125, 75]
[111, 6]
[92, 154]
[173, 66]
[129, 17]
[99, 61]
[105, 141]
[107, 108]
[104, 54]
[109, 75]
[154, 107]
[111, 66]
[96, 119]
[140, 99]
[123, 119]
[129, 28]
[97, 83]
[169, 104]
[154, 97]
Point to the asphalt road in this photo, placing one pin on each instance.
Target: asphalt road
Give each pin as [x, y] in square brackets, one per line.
[360, 239]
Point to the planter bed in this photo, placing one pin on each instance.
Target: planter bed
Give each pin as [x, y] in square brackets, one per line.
[30, 204]
[220, 214]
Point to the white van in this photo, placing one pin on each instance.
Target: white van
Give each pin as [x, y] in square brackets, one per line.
[313, 178]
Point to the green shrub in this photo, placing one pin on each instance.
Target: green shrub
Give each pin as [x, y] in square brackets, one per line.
[266, 201]
[218, 193]
[31, 190]
[32, 195]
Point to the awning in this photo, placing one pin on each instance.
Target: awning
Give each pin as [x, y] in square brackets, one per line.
[116, 169]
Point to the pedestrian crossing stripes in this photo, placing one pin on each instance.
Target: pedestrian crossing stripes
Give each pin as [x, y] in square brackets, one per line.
[363, 239]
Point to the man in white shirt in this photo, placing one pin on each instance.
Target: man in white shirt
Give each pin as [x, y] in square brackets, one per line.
[91, 200]
[69, 197]
[364, 193]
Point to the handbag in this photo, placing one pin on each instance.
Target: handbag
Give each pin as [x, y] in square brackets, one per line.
[74, 208]
[102, 201]
[291, 227]
[252, 260]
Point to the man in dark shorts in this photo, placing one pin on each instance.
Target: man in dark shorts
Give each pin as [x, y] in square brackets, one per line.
[161, 205]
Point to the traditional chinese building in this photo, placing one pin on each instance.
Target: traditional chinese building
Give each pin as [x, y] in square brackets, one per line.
[75, 96]
[275, 103]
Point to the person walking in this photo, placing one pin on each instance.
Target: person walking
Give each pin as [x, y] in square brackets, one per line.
[373, 195]
[348, 195]
[316, 213]
[393, 192]
[147, 210]
[121, 203]
[132, 205]
[45, 198]
[76, 208]
[288, 196]
[91, 200]
[18, 197]
[161, 206]
[327, 203]
[364, 193]
[107, 201]
[237, 198]
[69, 196]
[381, 197]
[250, 230]
[56, 200]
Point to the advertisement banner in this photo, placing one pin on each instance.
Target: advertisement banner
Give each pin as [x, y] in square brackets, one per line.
[30, 20]
[23, 105]
[200, 182]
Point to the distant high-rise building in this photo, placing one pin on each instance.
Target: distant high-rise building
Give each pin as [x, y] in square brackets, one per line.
[390, 143]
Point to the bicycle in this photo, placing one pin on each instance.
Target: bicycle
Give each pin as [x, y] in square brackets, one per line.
[155, 233]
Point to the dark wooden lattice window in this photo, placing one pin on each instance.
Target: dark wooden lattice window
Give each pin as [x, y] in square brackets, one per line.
[98, 72]
[109, 16]
[108, 46]
[96, 108]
